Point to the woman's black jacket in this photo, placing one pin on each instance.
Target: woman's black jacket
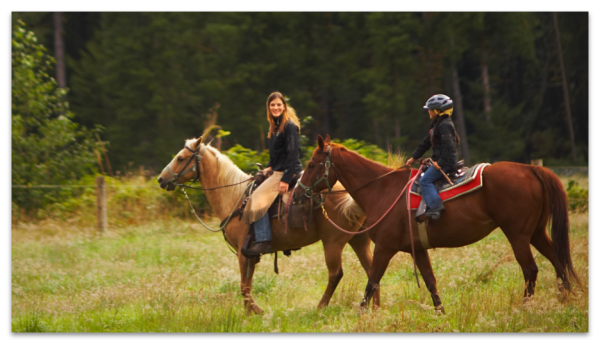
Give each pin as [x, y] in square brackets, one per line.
[284, 151]
[443, 135]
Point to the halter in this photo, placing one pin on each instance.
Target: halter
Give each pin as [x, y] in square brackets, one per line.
[308, 191]
[195, 167]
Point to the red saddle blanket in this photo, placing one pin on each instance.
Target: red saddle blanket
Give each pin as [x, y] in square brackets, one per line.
[473, 182]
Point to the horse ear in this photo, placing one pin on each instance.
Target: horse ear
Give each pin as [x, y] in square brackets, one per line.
[320, 142]
[327, 139]
[197, 143]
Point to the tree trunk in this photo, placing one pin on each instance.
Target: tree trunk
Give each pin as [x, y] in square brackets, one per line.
[458, 110]
[487, 99]
[565, 90]
[59, 51]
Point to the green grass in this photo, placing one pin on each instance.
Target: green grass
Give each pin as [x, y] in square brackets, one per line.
[173, 276]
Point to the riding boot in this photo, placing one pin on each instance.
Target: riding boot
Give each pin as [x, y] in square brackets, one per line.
[435, 214]
[260, 248]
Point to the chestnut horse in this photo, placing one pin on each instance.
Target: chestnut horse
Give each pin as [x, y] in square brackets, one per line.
[215, 170]
[518, 198]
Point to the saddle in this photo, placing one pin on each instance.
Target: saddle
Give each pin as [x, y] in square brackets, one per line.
[456, 174]
[460, 176]
[301, 214]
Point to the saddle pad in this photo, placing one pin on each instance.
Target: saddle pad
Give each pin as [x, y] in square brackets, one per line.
[471, 181]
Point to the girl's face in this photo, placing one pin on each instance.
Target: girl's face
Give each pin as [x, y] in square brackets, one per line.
[432, 114]
[276, 107]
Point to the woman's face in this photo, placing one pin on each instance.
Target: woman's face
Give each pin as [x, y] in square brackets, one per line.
[276, 107]
[432, 114]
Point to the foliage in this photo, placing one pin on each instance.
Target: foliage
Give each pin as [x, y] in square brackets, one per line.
[150, 78]
[578, 197]
[246, 159]
[47, 146]
[368, 150]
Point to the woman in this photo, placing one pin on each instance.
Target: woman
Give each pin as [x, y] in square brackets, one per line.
[444, 139]
[284, 161]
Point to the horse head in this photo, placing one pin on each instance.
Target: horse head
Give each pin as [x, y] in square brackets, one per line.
[184, 166]
[317, 176]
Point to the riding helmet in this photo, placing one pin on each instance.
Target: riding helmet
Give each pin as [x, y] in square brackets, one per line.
[439, 102]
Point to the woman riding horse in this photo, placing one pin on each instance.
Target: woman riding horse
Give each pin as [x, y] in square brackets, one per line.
[284, 161]
[444, 139]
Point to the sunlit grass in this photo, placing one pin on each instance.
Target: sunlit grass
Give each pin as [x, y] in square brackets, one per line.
[175, 277]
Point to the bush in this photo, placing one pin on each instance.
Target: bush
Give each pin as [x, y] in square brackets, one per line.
[578, 197]
[47, 147]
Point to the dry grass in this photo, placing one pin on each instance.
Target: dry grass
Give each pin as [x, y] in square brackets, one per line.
[173, 276]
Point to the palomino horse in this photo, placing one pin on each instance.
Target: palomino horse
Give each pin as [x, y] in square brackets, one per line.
[215, 169]
[518, 198]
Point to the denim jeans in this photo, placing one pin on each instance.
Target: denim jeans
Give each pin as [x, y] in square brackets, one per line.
[430, 194]
[262, 229]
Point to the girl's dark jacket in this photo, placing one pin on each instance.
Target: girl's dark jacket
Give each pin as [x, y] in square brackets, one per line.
[284, 151]
[442, 135]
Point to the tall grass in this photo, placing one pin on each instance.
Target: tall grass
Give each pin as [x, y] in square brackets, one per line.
[170, 275]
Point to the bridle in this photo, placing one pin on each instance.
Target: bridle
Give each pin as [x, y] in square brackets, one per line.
[196, 158]
[308, 190]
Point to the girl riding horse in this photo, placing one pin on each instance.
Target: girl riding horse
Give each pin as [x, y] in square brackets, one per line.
[444, 139]
[284, 161]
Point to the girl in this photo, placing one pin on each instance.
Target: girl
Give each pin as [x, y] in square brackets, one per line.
[444, 139]
[284, 161]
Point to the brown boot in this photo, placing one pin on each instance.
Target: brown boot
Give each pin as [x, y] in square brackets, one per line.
[260, 247]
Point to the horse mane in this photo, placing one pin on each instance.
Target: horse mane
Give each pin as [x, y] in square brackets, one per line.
[228, 172]
[347, 206]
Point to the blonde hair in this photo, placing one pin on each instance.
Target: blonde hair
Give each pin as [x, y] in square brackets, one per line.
[288, 114]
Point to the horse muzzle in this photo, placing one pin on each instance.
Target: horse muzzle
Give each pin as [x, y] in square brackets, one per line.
[166, 184]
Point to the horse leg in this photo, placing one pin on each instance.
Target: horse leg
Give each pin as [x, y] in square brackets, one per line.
[522, 251]
[424, 265]
[333, 259]
[247, 270]
[361, 244]
[543, 244]
[381, 259]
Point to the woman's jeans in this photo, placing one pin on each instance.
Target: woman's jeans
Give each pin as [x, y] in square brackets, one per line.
[262, 229]
[430, 194]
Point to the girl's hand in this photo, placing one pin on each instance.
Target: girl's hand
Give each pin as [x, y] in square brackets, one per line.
[267, 170]
[437, 167]
[410, 161]
[283, 187]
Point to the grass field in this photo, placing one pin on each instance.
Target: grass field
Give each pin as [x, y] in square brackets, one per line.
[174, 276]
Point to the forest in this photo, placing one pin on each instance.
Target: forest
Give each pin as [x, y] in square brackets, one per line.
[144, 82]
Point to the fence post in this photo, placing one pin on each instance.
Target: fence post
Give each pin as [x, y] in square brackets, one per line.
[101, 204]
[537, 162]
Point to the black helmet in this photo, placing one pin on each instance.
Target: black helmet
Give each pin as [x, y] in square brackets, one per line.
[439, 102]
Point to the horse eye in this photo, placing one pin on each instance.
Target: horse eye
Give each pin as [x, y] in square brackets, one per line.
[311, 165]
[179, 158]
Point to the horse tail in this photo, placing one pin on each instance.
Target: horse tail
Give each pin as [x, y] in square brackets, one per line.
[347, 206]
[555, 198]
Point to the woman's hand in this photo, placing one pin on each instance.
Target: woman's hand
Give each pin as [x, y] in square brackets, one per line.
[283, 187]
[410, 161]
[267, 170]
[437, 167]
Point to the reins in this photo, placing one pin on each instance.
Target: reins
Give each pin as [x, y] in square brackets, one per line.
[410, 182]
[412, 244]
[197, 156]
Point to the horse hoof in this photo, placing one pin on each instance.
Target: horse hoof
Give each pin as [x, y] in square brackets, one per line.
[440, 309]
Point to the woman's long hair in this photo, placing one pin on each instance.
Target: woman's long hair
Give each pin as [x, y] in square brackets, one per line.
[288, 114]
